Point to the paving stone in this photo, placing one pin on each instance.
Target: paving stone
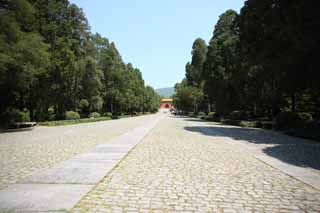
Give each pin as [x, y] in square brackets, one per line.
[27, 152]
[178, 168]
[41, 197]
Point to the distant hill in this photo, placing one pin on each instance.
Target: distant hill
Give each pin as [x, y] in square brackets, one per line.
[166, 92]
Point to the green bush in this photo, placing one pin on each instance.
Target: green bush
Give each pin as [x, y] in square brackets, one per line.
[231, 122]
[237, 115]
[212, 114]
[83, 104]
[13, 115]
[305, 117]
[51, 116]
[191, 114]
[287, 120]
[71, 115]
[94, 115]
[201, 114]
[107, 114]
[135, 113]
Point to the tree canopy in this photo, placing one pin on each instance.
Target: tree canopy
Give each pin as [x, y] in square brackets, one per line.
[51, 63]
[262, 61]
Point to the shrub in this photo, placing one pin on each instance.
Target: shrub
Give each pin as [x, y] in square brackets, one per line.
[51, 114]
[24, 116]
[107, 114]
[96, 103]
[94, 115]
[191, 114]
[287, 120]
[212, 114]
[305, 117]
[13, 115]
[83, 103]
[201, 114]
[237, 115]
[231, 122]
[71, 115]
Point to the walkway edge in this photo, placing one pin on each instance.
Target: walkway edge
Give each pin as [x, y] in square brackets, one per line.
[308, 177]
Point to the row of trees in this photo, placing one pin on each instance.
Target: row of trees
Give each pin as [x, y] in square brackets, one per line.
[51, 63]
[263, 61]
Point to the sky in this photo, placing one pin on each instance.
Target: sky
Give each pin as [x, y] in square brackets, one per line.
[156, 36]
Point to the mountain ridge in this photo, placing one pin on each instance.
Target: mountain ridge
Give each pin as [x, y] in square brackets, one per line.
[166, 91]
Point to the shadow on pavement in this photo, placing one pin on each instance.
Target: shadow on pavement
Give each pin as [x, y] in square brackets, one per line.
[295, 151]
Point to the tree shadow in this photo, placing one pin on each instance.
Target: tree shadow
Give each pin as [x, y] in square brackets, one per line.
[295, 151]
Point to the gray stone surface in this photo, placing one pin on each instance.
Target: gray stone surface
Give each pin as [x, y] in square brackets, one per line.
[180, 168]
[300, 160]
[23, 153]
[68, 181]
[41, 197]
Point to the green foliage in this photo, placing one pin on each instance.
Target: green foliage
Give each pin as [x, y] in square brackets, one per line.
[107, 114]
[50, 60]
[187, 97]
[83, 104]
[223, 81]
[237, 115]
[69, 122]
[262, 61]
[194, 69]
[212, 114]
[94, 115]
[71, 115]
[96, 103]
[287, 120]
[201, 115]
[11, 116]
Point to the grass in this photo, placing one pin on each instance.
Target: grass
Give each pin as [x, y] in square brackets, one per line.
[86, 120]
[69, 122]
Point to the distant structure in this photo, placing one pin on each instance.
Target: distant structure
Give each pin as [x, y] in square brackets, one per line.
[166, 103]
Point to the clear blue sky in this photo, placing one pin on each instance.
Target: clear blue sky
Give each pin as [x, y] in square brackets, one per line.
[156, 36]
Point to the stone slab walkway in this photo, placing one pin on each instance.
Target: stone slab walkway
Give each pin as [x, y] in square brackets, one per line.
[178, 167]
[26, 152]
[61, 187]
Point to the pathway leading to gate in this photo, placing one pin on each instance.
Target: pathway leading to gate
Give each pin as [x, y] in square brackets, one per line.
[184, 165]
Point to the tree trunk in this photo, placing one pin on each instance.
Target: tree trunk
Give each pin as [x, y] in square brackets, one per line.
[293, 102]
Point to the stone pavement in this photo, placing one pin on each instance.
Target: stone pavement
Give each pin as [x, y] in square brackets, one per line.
[61, 187]
[179, 167]
[23, 153]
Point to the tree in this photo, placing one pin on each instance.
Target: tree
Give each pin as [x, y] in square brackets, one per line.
[187, 98]
[221, 68]
[50, 63]
[194, 69]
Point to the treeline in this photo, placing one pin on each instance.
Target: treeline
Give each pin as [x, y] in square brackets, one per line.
[51, 63]
[259, 63]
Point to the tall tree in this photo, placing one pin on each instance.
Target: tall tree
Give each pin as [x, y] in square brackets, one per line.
[222, 65]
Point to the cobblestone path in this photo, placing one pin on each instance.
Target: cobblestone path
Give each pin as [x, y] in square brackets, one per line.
[177, 170]
[22, 153]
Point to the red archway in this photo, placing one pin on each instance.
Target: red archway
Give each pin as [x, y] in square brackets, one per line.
[166, 103]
